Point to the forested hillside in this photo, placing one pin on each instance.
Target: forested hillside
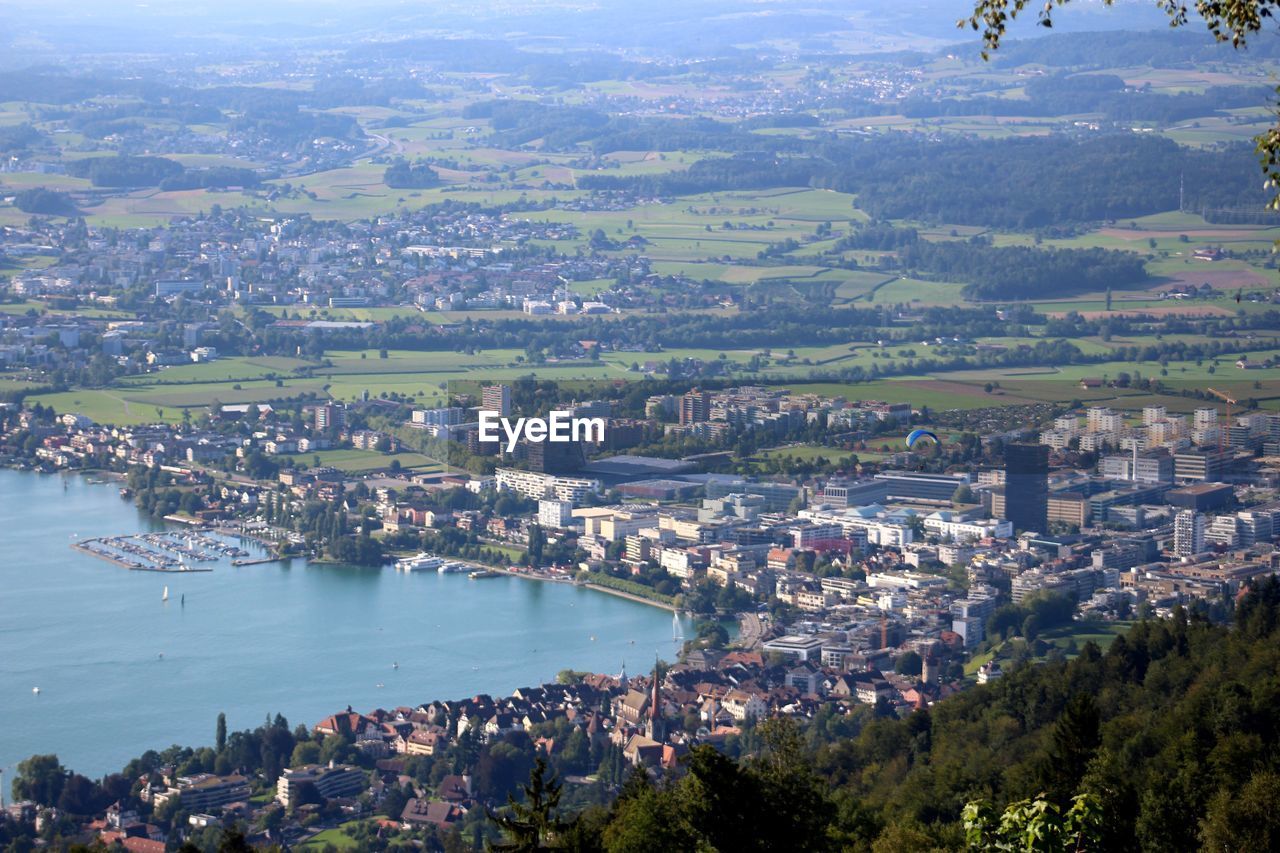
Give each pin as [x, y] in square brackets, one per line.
[1173, 731]
[1028, 182]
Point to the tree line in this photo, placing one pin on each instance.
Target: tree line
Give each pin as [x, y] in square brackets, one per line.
[1022, 272]
[1021, 183]
[147, 171]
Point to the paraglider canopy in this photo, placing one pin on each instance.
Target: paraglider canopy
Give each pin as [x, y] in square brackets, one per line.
[917, 434]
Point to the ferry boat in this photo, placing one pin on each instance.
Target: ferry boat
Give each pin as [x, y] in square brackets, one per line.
[454, 569]
[422, 562]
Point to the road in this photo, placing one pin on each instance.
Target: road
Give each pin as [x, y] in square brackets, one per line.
[750, 630]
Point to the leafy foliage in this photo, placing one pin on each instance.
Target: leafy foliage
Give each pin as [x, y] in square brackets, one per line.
[1022, 272]
[125, 171]
[48, 202]
[217, 177]
[18, 137]
[405, 175]
[1034, 825]
[1022, 183]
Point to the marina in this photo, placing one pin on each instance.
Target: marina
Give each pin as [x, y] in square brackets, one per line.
[160, 551]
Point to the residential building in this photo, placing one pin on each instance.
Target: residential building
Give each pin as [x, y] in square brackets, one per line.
[536, 485]
[496, 398]
[1150, 467]
[1223, 531]
[1188, 533]
[205, 791]
[330, 416]
[555, 513]
[341, 780]
[695, 407]
[442, 417]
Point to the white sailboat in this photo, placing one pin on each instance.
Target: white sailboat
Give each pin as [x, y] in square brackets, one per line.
[165, 596]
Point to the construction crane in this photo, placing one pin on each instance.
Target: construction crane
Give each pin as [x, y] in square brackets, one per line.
[1230, 401]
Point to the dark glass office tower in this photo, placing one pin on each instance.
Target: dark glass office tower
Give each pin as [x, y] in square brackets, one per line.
[1026, 486]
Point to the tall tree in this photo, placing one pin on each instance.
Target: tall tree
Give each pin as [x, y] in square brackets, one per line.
[535, 823]
[40, 779]
[1073, 741]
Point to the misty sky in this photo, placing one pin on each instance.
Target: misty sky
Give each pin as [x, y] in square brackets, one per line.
[65, 30]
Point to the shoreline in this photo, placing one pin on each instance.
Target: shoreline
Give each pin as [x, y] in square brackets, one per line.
[671, 608]
[276, 557]
[639, 599]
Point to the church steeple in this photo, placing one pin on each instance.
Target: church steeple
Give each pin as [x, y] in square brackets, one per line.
[622, 676]
[656, 725]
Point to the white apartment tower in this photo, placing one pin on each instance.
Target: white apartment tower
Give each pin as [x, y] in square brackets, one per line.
[1153, 414]
[1188, 533]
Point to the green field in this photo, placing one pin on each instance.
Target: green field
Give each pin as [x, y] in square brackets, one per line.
[334, 836]
[1068, 639]
[222, 370]
[107, 407]
[935, 394]
[138, 401]
[807, 453]
[17, 383]
[426, 378]
[360, 461]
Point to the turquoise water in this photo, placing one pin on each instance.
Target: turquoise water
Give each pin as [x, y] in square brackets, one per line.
[120, 671]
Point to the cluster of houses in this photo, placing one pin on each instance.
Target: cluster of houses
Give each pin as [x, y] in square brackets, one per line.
[652, 719]
[433, 260]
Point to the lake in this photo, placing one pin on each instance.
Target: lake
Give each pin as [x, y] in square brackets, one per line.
[120, 671]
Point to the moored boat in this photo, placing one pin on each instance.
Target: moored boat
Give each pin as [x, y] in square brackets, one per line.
[422, 562]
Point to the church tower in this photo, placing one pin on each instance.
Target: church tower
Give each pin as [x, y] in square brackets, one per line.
[656, 725]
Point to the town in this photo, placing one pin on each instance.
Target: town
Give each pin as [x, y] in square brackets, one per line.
[875, 589]
[660, 427]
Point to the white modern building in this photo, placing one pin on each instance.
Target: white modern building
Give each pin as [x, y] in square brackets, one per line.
[1188, 533]
[553, 513]
[953, 527]
[533, 484]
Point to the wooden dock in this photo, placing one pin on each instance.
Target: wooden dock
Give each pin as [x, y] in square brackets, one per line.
[257, 561]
